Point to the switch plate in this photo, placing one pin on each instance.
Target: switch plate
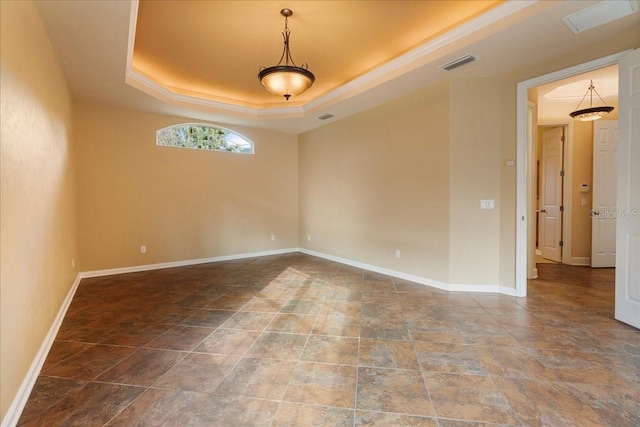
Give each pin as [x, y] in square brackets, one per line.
[273, 237]
[143, 249]
[397, 253]
[487, 204]
[308, 237]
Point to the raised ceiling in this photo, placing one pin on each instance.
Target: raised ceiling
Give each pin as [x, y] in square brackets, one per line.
[213, 49]
[95, 42]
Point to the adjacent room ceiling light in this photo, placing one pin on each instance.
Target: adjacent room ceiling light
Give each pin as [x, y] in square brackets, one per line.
[591, 113]
[286, 80]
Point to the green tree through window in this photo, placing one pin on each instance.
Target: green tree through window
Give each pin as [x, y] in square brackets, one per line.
[203, 137]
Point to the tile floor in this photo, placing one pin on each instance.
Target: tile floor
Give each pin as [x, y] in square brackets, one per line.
[294, 340]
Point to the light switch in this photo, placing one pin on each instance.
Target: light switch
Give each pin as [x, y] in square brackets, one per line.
[487, 204]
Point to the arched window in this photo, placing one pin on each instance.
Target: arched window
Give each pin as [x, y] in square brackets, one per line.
[203, 137]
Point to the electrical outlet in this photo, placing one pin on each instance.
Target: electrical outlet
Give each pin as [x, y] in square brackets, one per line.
[143, 249]
[273, 237]
[308, 237]
[397, 253]
[487, 204]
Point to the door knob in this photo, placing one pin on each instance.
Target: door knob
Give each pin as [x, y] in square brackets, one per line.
[543, 211]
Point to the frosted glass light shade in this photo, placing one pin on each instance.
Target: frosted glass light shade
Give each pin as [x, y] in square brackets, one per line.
[590, 114]
[286, 80]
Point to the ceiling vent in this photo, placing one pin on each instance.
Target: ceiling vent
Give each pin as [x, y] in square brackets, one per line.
[325, 116]
[458, 62]
[600, 14]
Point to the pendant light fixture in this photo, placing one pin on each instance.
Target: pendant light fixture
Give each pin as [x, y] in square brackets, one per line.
[286, 79]
[591, 113]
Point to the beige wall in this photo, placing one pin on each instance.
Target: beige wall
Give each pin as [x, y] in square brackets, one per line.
[37, 218]
[582, 174]
[475, 167]
[182, 204]
[379, 181]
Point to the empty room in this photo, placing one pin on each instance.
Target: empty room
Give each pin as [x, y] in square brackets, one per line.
[320, 213]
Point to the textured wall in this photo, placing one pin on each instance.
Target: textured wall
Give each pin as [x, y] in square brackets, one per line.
[37, 219]
[379, 181]
[182, 204]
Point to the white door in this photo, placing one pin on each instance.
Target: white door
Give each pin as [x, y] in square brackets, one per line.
[604, 205]
[550, 215]
[628, 226]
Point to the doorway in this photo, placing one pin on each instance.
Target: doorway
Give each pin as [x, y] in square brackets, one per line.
[526, 206]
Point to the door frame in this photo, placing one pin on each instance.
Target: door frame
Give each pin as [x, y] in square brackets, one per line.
[525, 210]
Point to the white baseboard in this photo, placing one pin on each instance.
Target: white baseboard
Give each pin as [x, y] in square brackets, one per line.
[159, 266]
[452, 287]
[376, 269]
[19, 402]
[576, 260]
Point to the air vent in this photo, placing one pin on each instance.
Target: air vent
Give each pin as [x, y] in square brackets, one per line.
[458, 62]
[600, 14]
[325, 116]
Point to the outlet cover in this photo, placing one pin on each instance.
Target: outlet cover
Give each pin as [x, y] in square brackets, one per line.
[487, 204]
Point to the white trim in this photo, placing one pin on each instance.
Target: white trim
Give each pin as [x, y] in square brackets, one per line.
[160, 266]
[532, 182]
[452, 287]
[376, 269]
[580, 260]
[521, 138]
[20, 400]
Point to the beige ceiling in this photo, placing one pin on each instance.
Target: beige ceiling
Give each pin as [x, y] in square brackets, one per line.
[407, 41]
[214, 49]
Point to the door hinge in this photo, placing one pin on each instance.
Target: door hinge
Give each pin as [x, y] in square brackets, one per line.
[562, 138]
[561, 173]
[561, 243]
[561, 208]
